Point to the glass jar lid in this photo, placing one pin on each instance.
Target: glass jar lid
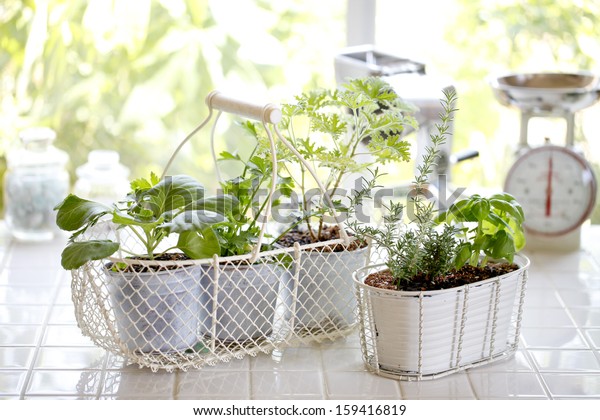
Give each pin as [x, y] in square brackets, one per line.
[36, 149]
[103, 164]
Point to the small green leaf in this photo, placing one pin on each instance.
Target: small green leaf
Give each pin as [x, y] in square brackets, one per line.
[510, 208]
[518, 235]
[125, 219]
[140, 184]
[154, 179]
[482, 242]
[229, 156]
[481, 209]
[441, 218]
[192, 220]
[143, 184]
[75, 212]
[249, 127]
[390, 148]
[503, 246]
[198, 245]
[220, 204]
[499, 222]
[286, 185]
[460, 212]
[330, 124]
[309, 149]
[171, 193]
[260, 165]
[463, 253]
[78, 253]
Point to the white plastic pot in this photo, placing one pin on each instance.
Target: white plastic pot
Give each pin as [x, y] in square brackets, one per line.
[324, 293]
[415, 334]
[156, 311]
[240, 305]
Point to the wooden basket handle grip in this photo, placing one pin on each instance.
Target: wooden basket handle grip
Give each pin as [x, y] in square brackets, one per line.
[268, 114]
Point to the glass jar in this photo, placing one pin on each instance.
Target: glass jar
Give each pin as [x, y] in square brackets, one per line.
[36, 180]
[102, 178]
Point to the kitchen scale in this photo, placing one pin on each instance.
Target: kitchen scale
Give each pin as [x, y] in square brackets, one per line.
[554, 184]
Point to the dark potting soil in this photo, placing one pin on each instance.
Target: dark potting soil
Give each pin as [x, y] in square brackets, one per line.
[327, 233]
[176, 256]
[140, 268]
[466, 275]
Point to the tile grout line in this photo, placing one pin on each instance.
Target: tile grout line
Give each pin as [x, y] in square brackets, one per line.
[590, 344]
[40, 340]
[176, 382]
[250, 376]
[534, 365]
[567, 310]
[324, 393]
[580, 328]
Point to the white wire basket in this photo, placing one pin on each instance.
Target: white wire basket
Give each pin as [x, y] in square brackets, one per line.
[192, 313]
[430, 334]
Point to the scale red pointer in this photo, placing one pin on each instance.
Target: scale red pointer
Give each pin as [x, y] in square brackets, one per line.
[549, 189]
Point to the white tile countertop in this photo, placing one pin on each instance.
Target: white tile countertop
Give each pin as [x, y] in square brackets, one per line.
[44, 356]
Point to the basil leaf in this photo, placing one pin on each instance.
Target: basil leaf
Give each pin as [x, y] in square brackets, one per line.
[481, 209]
[199, 245]
[221, 204]
[509, 208]
[78, 253]
[74, 212]
[172, 192]
[192, 220]
[503, 246]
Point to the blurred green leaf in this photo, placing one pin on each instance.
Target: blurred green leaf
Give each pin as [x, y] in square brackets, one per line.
[74, 212]
[78, 253]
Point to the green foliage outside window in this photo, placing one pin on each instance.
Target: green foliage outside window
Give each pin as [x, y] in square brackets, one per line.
[132, 75]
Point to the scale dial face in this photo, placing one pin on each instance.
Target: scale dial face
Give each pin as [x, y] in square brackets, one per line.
[556, 188]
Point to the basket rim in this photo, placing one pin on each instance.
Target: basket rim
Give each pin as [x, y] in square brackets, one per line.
[520, 259]
[236, 258]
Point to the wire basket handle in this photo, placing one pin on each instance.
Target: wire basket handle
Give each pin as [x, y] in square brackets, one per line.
[268, 115]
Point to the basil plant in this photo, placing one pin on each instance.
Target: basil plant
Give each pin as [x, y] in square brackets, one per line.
[154, 209]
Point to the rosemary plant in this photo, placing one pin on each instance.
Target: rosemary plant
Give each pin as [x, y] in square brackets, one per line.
[418, 248]
[428, 248]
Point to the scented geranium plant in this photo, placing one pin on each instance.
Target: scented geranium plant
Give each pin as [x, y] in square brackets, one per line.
[340, 133]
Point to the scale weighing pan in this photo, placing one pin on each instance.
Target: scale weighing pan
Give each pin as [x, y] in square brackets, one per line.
[547, 93]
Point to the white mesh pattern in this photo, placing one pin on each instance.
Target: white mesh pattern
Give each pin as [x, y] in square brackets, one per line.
[209, 311]
[435, 333]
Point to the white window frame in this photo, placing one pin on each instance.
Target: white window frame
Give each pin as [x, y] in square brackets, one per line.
[360, 22]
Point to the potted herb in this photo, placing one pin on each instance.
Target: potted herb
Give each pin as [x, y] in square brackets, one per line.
[337, 135]
[450, 292]
[154, 298]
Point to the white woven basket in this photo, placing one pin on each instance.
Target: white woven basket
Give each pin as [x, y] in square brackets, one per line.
[429, 334]
[203, 312]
